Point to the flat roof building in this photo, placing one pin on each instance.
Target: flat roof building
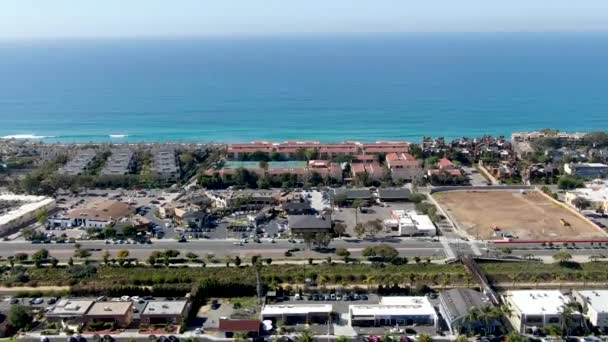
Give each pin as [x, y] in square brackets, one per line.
[25, 211]
[394, 311]
[595, 307]
[587, 170]
[165, 312]
[302, 224]
[119, 313]
[298, 313]
[69, 311]
[531, 309]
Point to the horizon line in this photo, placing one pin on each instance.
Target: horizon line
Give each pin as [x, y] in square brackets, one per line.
[291, 35]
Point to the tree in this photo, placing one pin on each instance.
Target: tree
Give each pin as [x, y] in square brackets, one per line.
[339, 228]
[513, 336]
[82, 253]
[40, 256]
[461, 338]
[122, 254]
[343, 252]
[54, 262]
[506, 250]
[357, 204]
[192, 256]
[263, 164]
[70, 262]
[425, 338]
[566, 182]
[106, 257]
[360, 230]
[237, 261]
[581, 203]
[306, 336]
[373, 227]
[562, 257]
[19, 316]
[21, 257]
[41, 216]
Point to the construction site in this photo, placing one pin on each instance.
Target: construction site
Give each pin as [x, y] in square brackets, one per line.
[514, 215]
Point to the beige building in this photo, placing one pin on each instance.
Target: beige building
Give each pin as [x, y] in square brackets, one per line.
[119, 313]
[165, 312]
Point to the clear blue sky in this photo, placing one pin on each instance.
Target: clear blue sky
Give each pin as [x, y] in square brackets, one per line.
[140, 18]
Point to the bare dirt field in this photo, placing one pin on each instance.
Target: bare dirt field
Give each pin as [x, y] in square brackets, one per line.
[528, 216]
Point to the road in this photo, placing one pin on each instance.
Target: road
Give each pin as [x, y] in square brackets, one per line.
[220, 248]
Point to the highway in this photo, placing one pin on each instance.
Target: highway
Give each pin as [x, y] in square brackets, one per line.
[221, 248]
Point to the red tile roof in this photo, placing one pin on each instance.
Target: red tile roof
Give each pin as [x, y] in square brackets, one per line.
[444, 163]
[239, 325]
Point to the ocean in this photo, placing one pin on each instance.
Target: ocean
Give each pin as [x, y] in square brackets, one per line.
[334, 88]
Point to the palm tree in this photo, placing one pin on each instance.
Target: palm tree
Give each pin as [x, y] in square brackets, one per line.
[567, 317]
[461, 338]
[515, 337]
[425, 338]
[305, 336]
[562, 257]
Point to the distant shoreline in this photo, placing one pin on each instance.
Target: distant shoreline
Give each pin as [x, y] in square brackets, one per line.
[127, 139]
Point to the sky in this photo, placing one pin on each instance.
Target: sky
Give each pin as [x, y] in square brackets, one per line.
[52, 19]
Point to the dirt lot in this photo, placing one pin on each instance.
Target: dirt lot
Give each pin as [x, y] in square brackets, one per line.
[525, 216]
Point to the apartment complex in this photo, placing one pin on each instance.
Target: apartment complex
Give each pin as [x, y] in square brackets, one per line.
[120, 162]
[82, 162]
[165, 164]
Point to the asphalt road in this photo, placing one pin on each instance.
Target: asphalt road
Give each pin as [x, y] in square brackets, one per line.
[222, 248]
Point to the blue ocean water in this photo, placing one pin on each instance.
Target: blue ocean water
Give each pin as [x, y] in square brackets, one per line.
[317, 88]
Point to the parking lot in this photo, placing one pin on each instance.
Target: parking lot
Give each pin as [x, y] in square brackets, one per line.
[350, 216]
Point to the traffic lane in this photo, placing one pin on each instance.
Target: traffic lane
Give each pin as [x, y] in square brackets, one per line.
[218, 248]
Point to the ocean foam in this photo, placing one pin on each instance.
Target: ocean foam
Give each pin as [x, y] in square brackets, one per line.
[118, 136]
[26, 136]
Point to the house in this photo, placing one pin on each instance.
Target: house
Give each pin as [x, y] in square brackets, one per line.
[118, 313]
[532, 309]
[595, 307]
[365, 159]
[140, 223]
[231, 327]
[394, 311]
[165, 312]
[291, 314]
[586, 170]
[410, 223]
[403, 166]
[304, 224]
[69, 312]
[445, 163]
[597, 196]
[374, 171]
[98, 214]
[385, 147]
[297, 208]
[455, 305]
[394, 194]
[191, 218]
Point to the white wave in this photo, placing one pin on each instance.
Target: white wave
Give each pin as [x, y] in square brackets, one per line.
[118, 136]
[26, 136]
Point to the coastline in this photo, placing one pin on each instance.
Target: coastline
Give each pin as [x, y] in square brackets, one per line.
[230, 139]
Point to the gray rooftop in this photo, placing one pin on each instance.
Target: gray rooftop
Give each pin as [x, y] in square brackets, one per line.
[309, 222]
[119, 162]
[458, 302]
[165, 308]
[395, 193]
[352, 193]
